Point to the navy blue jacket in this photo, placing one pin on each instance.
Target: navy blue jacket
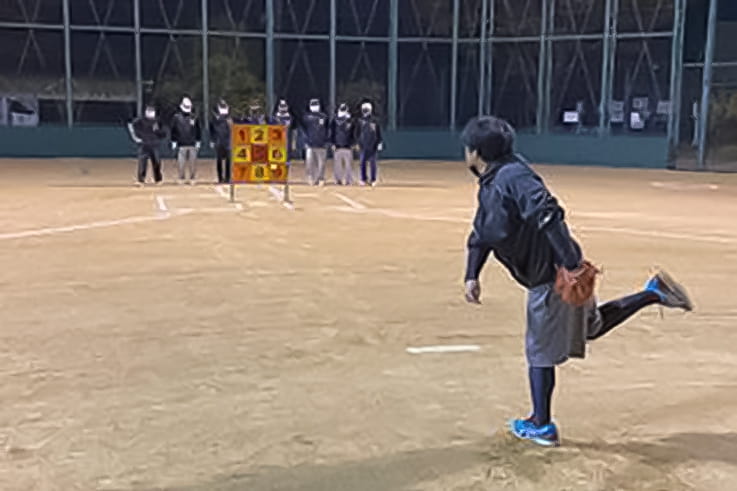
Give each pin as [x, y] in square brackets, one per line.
[220, 131]
[185, 129]
[315, 127]
[522, 224]
[342, 132]
[148, 131]
[368, 134]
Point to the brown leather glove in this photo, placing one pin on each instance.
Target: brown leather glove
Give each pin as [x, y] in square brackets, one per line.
[577, 287]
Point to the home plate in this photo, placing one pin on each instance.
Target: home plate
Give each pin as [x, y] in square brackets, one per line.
[453, 348]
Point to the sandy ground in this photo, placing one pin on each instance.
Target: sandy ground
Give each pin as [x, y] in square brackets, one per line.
[164, 338]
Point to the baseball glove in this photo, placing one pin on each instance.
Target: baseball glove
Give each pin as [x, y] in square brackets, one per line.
[577, 287]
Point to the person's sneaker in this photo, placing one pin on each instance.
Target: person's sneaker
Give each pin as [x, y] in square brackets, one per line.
[159, 183]
[545, 435]
[362, 183]
[671, 293]
[139, 184]
[192, 182]
[180, 181]
[374, 184]
[321, 183]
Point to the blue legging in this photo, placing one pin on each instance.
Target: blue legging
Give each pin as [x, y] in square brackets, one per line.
[368, 157]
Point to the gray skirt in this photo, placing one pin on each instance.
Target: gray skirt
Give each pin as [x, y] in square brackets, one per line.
[556, 330]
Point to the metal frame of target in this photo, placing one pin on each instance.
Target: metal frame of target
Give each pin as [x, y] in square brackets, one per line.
[259, 156]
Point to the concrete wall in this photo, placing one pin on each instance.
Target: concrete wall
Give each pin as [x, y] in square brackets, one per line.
[626, 151]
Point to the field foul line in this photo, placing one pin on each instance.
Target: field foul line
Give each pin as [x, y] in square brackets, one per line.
[161, 203]
[620, 230]
[279, 195]
[85, 226]
[457, 348]
[350, 202]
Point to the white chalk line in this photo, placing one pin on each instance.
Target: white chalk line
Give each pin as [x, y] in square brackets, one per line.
[352, 203]
[220, 190]
[85, 226]
[279, 195]
[620, 230]
[161, 203]
[456, 348]
[677, 186]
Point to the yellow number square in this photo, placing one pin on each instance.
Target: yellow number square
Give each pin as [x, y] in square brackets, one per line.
[277, 153]
[259, 134]
[242, 154]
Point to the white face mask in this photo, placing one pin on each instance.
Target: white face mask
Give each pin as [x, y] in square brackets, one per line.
[223, 111]
[315, 108]
[150, 114]
[343, 114]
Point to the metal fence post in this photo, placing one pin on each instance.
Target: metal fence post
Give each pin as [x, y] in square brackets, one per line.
[706, 81]
[68, 65]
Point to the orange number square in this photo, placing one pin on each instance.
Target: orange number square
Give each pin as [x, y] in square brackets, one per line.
[241, 135]
[276, 135]
[240, 172]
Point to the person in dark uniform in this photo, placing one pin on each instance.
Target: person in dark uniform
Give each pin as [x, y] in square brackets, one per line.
[522, 224]
[220, 127]
[186, 135]
[315, 127]
[370, 142]
[283, 117]
[342, 138]
[148, 134]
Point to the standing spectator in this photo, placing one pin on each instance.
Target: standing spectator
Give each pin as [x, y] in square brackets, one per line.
[220, 126]
[370, 142]
[342, 138]
[186, 134]
[315, 127]
[147, 133]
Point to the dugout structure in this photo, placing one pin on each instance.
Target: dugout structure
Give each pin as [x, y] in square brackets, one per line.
[259, 156]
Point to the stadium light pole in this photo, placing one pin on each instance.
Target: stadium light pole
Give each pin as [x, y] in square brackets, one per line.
[454, 65]
[137, 55]
[676, 80]
[269, 54]
[205, 64]
[606, 70]
[483, 46]
[706, 81]
[333, 60]
[68, 64]
[392, 65]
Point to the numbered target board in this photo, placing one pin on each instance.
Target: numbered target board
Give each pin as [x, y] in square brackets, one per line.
[259, 154]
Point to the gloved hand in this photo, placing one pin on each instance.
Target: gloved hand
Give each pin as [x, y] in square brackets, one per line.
[173, 145]
[333, 148]
[473, 291]
[212, 144]
[380, 147]
[197, 146]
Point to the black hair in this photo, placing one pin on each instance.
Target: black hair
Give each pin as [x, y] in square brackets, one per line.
[491, 137]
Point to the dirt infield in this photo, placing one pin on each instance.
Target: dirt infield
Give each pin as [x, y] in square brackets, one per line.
[164, 338]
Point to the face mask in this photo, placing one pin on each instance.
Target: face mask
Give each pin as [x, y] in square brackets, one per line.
[150, 114]
[343, 114]
[223, 111]
[315, 108]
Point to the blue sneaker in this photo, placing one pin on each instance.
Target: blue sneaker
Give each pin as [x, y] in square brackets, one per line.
[671, 293]
[525, 429]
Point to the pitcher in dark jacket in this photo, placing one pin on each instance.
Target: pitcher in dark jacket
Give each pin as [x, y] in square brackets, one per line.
[342, 138]
[147, 133]
[370, 142]
[220, 126]
[186, 135]
[315, 128]
[521, 223]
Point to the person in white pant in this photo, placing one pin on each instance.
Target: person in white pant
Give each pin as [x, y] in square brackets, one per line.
[315, 128]
[186, 134]
[342, 138]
